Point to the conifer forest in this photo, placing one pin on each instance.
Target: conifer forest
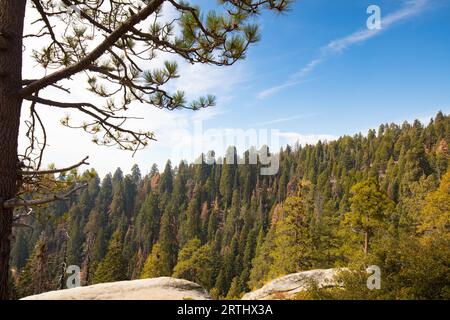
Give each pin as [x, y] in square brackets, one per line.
[229, 229]
[231, 150]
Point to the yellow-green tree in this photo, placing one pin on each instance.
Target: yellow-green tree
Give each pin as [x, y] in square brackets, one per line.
[153, 266]
[113, 267]
[369, 209]
[435, 216]
[195, 263]
[293, 242]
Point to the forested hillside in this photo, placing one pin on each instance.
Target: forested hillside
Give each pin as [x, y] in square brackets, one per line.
[380, 198]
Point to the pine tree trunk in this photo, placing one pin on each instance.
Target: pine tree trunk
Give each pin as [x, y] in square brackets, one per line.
[12, 14]
[366, 242]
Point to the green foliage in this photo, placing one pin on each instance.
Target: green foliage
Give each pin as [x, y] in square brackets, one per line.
[168, 241]
[154, 266]
[113, 266]
[195, 263]
[147, 222]
[369, 209]
[263, 260]
[293, 243]
[36, 276]
[435, 216]
[232, 230]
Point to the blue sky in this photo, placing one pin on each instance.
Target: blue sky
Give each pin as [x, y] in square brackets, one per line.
[317, 73]
[401, 73]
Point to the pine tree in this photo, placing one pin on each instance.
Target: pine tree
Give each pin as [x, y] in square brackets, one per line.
[166, 181]
[370, 208]
[168, 241]
[263, 260]
[242, 244]
[76, 238]
[154, 265]
[147, 222]
[136, 174]
[435, 216]
[195, 263]
[293, 241]
[193, 216]
[227, 177]
[235, 289]
[36, 276]
[20, 250]
[113, 267]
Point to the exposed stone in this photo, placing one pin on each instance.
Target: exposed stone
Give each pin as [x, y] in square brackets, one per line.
[163, 288]
[287, 286]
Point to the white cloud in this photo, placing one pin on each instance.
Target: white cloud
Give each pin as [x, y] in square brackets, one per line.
[286, 119]
[410, 9]
[272, 90]
[200, 79]
[290, 83]
[308, 68]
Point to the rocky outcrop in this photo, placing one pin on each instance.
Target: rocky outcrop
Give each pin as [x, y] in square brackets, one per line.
[164, 288]
[287, 286]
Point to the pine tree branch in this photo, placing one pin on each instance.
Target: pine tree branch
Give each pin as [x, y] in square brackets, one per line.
[103, 121]
[94, 54]
[14, 203]
[72, 105]
[44, 17]
[30, 173]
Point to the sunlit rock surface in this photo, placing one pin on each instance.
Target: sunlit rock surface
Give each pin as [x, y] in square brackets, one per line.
[164, 288]
[287, 286]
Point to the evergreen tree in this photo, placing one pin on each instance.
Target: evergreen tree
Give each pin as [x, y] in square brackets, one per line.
[193, 216]
[136, 174]
[293, 242]
[154, 265]
[168, 241]
[166, 182]
[147, 222]
[36, 276]
[195, 263]
[76, 238]
[435, 215]
[20, 250]
[331, 194]
[370, 208]
[113, 267]
[263, 260]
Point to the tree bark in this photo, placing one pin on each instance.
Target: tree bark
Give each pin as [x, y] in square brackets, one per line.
[12, 13]
[366, 243]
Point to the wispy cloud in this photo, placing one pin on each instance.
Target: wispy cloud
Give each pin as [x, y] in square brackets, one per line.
[286, 119]
[306, 70]
[293, 81]
[410, 8]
